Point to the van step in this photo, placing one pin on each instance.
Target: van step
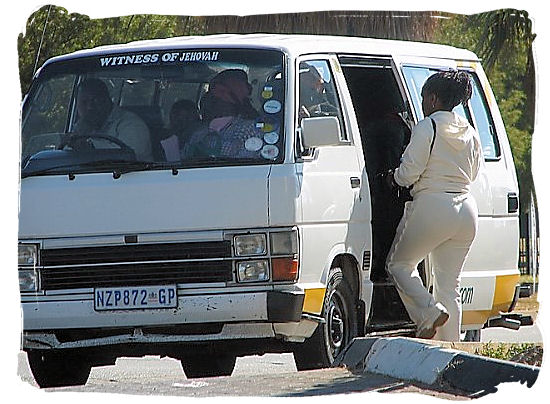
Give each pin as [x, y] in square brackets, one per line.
[383, 284]
[387, 307]
[404, 332]
[390, 327]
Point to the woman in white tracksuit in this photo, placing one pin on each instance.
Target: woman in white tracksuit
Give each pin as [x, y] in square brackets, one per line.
[441, 220]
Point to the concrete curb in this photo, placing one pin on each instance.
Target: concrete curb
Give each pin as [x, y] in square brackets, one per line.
[412, 360]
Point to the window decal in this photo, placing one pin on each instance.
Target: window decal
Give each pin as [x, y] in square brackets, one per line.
[168, 57]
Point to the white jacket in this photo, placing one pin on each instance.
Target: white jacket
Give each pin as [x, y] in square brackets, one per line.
[453, 163]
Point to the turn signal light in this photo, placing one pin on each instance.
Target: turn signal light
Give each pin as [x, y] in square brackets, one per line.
[284, 269]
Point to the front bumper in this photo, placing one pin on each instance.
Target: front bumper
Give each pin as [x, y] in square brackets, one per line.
[136, 336]
[77, 311]
[267, 314]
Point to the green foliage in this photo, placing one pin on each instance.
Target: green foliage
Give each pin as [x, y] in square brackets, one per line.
[528, 279]
[503, 351]
[503, 31]
[52, 31]
[503, 40]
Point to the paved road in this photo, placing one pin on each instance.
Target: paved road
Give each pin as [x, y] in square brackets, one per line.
[267, 375]
[530, 334]
[272, 375]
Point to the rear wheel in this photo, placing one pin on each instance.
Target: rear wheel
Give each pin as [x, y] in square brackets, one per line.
[208, 365]
[58, 369]
[339, 328]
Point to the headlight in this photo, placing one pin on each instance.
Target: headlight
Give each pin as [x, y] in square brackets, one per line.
[253, 271]
[28, 280]
[284, 243]
[250, 244]
[27, 255]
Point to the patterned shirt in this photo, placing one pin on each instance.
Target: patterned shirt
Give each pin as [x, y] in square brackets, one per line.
[228, 141]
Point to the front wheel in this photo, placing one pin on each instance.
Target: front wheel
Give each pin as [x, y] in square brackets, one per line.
[338, 329]
[58, 369]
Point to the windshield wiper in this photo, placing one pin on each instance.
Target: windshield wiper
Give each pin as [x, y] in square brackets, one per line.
[208, 160]
[118, 167]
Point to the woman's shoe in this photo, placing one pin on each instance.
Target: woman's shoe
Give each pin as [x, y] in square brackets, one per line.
[428, 331]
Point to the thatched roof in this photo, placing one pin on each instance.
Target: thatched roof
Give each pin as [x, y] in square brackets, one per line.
[406, 25]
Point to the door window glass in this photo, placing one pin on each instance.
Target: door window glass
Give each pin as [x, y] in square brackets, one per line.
[483, 122]
[48, 113]
[415, 78]
[318, 95]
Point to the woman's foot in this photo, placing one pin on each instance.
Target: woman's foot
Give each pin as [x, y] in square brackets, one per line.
[428, 330]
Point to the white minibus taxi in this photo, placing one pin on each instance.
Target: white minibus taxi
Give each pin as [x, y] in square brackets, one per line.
[235, 232]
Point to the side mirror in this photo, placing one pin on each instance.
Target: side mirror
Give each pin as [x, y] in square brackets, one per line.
[320, 131]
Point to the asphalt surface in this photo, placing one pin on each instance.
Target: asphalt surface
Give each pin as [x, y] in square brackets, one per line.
[528, 334]
[278, 377]
[271, 375]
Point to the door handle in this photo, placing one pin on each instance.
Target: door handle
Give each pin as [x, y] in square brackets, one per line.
[513, 202]
[355, 182]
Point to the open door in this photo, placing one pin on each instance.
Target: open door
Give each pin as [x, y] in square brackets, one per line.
[383, 119]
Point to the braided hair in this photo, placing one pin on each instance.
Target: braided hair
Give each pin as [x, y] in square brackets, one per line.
[451, 87]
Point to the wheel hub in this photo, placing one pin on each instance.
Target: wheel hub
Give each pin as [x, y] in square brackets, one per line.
[336, 326]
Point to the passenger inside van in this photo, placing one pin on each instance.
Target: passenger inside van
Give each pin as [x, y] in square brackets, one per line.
[313, 100]
[227, 110]
[184, 122]
[228, 95]
[97, 115]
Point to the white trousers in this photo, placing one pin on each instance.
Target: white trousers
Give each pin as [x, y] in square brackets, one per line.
[442, 226]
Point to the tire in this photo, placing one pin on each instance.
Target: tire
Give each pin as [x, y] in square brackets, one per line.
[339, 328]
[208, 365]
[58, 369]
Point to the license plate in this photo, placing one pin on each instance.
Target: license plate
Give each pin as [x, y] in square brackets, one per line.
[138, 297]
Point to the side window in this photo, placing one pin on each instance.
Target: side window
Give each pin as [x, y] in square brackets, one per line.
[47, 117]
[415, 78]
[318, 95]
[483, 121]
[50, 107]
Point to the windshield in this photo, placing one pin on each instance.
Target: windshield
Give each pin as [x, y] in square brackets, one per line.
[151, 110]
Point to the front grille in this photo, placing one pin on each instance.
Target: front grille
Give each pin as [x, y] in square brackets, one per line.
[136, 265]
[134, 253]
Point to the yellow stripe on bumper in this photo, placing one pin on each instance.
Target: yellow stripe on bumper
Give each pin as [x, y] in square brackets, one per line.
[505, 286]
[313, 300]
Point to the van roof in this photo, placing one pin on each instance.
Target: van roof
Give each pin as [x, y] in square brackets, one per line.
[294, 44]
